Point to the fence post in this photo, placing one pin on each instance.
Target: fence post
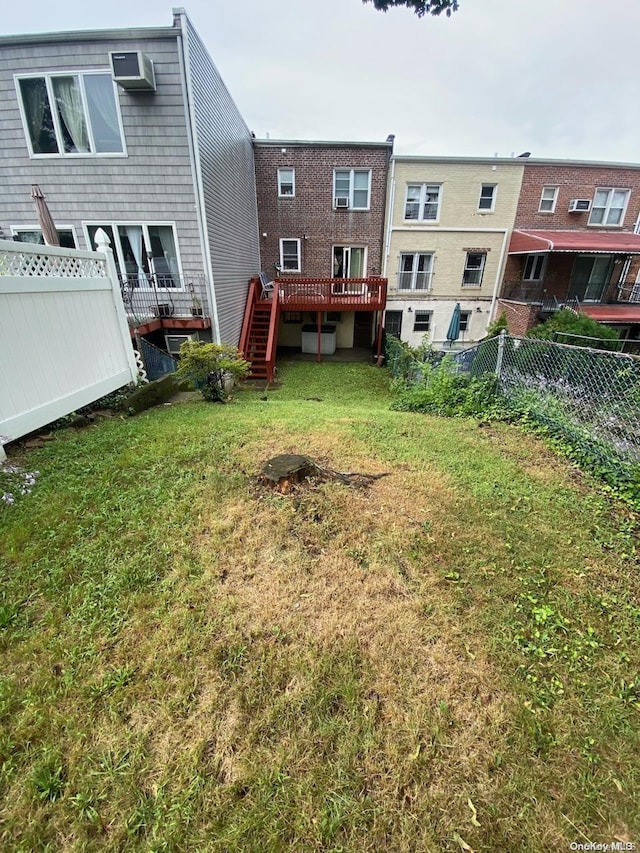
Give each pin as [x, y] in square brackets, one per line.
[103, 245]
[501, 339]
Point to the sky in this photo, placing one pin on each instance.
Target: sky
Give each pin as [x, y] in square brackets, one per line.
[557, 78]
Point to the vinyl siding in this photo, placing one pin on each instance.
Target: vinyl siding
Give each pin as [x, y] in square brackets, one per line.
[225, 164]
[152, 183]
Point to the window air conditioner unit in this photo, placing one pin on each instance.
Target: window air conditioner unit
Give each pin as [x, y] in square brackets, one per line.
[342, 201]
[580, 205]
[133, 70]
[174, 342]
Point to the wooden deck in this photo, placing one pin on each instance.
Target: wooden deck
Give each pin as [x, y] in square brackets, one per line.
[332, 294]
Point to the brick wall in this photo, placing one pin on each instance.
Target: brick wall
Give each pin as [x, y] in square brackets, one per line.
[520, 316]
[573, 182]
[310, 216]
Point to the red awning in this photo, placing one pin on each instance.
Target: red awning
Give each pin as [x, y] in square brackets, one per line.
[605, 242]
[628, 313]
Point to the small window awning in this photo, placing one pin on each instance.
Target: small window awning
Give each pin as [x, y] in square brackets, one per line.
[592, 242]
[616, 313]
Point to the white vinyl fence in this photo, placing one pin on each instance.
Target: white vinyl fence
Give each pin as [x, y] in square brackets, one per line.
[64, 338]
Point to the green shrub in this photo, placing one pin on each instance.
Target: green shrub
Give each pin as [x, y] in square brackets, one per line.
[498, 325]
[565, 322]
[444, 391]
[207, 365]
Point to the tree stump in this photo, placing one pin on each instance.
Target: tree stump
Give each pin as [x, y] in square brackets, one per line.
[283, 471]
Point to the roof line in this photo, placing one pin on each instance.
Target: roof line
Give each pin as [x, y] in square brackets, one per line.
[90, 35]
[265, 143]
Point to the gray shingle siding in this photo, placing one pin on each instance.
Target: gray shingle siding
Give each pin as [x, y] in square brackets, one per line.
[225, 161]
[153, 183]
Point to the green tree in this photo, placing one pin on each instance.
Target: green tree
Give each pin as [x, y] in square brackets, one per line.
[563, 324]
[420, 7]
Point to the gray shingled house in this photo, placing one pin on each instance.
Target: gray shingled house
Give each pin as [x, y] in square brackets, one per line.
[134, 131]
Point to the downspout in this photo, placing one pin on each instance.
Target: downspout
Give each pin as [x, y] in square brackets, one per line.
[390, 200]
[499, 275]
[194, 158]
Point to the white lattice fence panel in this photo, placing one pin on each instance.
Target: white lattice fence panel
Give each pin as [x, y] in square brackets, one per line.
[30, 263]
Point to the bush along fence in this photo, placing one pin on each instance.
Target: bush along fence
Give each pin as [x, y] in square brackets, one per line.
[588, 399]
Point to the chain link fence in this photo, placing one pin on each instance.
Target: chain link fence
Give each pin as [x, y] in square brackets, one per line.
[590, 398]
[157, 362]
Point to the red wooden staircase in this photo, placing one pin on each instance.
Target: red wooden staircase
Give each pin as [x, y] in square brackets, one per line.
[259, 331]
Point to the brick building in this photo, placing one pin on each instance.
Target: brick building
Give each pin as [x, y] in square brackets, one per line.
[321, 208]
[575, 243]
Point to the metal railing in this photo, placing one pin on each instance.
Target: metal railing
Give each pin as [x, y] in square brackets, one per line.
[164, 296]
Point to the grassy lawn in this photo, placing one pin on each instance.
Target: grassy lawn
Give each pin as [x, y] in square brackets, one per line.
[447, 661]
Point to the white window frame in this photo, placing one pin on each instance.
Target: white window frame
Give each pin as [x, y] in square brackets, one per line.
[465, 318]
[352, 173]
[348, 247]
[48, 76]
[295, 240]
[292, 194]
[422, 202]
[19, 229]
[553, 200]
[475, 269]
[537, 255]
[117, 249]
[607, 207]
[427, 322]
[494, 195]
[414, 272]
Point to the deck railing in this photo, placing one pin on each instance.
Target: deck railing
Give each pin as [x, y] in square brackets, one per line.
[164, 297]
[341, 294]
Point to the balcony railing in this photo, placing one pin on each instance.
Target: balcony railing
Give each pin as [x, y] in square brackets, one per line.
[158, 297]
[340, 294]
[418, 282]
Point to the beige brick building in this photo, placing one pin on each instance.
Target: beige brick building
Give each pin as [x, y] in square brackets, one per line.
[447, 232]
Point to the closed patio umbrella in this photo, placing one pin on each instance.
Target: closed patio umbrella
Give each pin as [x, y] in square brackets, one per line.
[44, 217]
[453, 332]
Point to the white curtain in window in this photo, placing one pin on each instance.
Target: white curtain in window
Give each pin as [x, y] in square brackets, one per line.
[102, 112]
[69, 102]
[134, 235]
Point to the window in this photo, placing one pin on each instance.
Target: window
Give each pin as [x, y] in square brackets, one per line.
[352, 188]
[548, 200]
[146, 255]
[422, 322]
[349, 261]
[608, 207]
[333, 316]
[487, 200]
[590, 277]
[292, 316]
[423, 202]
[286, 182]
[290, 255]
[415, 272]
[393, 323]
[67, 114]
[66, 236]
[465, 320]
[473, 269]
[533, 267]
